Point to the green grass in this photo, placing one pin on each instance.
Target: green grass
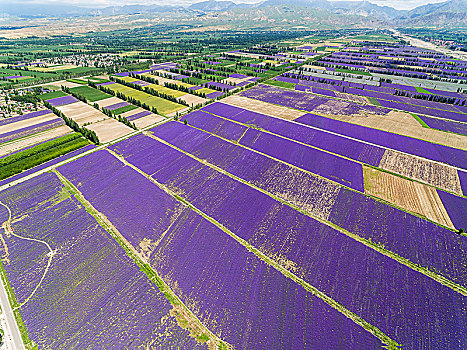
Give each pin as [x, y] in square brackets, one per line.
[90, 93]
[422, 123]
[29, 158]
[422, 90]
[98, 80]
[162, 105]
[356, 72]
[280, 84]
[124, 109]
[374, 101]
[78, 81]
[52, 94]
[195, 81]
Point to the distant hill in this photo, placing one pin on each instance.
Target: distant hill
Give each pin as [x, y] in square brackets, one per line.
[447, 14]
[450, 13]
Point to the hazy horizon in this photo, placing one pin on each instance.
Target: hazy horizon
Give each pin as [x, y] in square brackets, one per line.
[397, 4]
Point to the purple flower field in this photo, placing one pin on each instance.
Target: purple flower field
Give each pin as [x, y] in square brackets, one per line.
[30, 130]
[138, 115]
[445, 125]
[61, 101]
[117, 106]
[90, 276]
[24, 117]
[246, 279]
[353, 149]
[278, 229]
[440, 153]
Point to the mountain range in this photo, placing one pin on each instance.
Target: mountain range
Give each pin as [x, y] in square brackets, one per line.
[449, 13]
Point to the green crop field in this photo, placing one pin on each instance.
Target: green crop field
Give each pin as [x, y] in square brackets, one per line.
[52, 94]
[165, 90]
[281, 84]
[90, 93]
[162, 105]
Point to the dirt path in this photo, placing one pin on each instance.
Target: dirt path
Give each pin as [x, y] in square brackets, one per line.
[50, 254]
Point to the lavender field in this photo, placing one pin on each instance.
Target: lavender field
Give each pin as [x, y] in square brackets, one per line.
[72, 306]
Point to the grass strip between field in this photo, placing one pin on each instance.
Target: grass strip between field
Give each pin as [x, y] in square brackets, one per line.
[418, 119]
[390, 343]
[185, 318]
[373, 245]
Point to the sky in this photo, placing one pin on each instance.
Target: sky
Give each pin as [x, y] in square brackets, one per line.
[397, 4]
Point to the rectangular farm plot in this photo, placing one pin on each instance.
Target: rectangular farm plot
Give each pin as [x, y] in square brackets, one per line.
[435, 174]
[319, 198]
[165, 90]
[163, 106]
[32, 140]
[17, 134]
[91, 94]
[288, 237]
[358, 151]
[421, 148]
[109, 129]
[20, 123]
[90, 275]
[62, 101]
[263, 107]
[173, 245]
[406, 194]
[82, 113]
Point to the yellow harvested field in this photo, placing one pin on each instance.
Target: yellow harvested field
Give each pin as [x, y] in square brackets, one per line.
[65, 83]
[193, 100]
[148, 120]
[82, 113]
[27, 122]
[434, 174]
[165, 90]
[163, 80]
[263, 107]
[109, 130]
[108, 101]
[55, 68]
[405, 124]
[408, 195]
[24, 142]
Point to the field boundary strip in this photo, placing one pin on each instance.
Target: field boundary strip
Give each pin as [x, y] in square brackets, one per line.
[151, 273]
[438, 278]
[390, 343]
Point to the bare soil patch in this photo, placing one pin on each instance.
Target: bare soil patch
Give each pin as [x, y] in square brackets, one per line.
[109, 130]
[438, 175]
[148, 120]
[408, 195]
[263, 107]
[82, 113]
